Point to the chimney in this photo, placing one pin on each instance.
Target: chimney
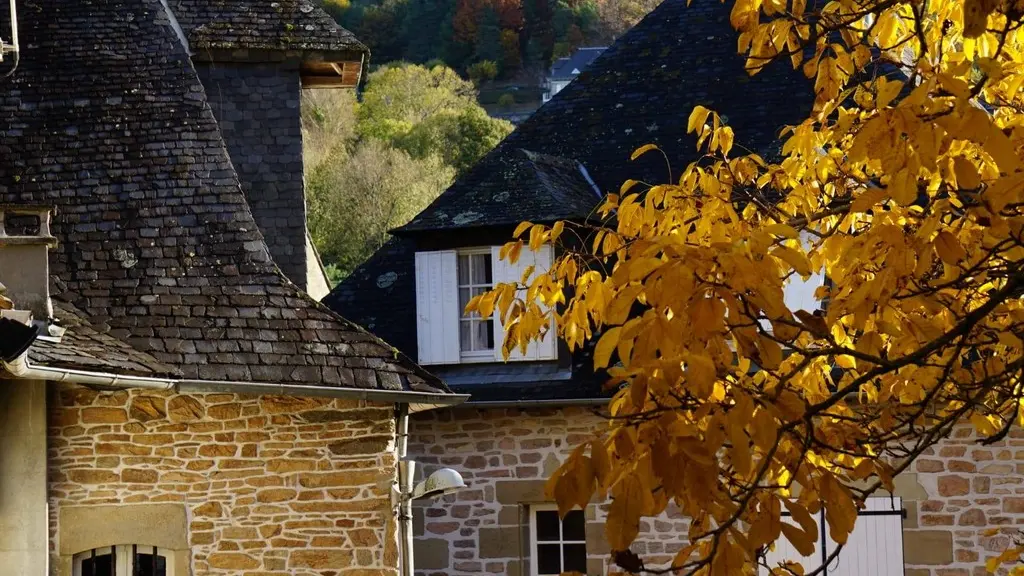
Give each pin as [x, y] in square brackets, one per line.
[24, 263]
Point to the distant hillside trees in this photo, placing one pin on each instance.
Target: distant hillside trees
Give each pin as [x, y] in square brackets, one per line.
[515, 34]
[373, 165]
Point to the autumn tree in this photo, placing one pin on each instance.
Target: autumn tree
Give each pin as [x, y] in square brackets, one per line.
[904, 187]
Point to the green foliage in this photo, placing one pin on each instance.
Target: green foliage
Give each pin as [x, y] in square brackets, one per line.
[399, 96]
[483, 71]
[460, 138]
[507, 100]
[353, 202]
[372, 166]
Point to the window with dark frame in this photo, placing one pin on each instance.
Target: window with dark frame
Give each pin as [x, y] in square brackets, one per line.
[475, 276]
[558, 545]
[122, 560]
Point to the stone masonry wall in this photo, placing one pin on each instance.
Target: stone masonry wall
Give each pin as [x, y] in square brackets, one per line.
[955, 492]
[273, 485]
[505, 456]
[965, 488]
[257, 108]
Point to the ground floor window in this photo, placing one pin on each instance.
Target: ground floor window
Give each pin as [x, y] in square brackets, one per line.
[123, 560]
[874, 548]
[557, 545]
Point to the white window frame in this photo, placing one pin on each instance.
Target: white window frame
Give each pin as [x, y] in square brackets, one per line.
[123, 557]
[484, 354]
[534, 557]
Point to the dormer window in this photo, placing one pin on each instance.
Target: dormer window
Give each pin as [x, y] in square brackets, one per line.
[446, 280]
[476, 276]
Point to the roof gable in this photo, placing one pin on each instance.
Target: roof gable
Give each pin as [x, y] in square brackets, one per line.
[106, 120]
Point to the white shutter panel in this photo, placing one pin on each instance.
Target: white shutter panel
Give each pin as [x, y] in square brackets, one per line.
[875, 547]
[437, 307]
[786, 552]
[798, 294]
[504, 271]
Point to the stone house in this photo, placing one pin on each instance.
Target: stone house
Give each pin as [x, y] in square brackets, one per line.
[183, 406]
[524, 415]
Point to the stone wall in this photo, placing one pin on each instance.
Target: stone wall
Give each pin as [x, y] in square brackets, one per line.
[257, 108]
[965, 489]
[273, 485]
[505, 455]
[956, 492]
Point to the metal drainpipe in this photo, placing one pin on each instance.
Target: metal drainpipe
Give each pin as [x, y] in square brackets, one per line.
[406, 471]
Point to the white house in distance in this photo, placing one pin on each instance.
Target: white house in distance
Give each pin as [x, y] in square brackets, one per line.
[564, 70]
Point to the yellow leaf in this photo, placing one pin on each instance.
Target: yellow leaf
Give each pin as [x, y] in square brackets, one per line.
[800, 539]
[967, 176]
[784, 230]
[642, 150]
[796, 259]
[697, 118]
[976, 16]
[948, 248]
[887, 90]
[556, 230]
[605, 347]
[725, 138]
[623, 522]
[522, 227]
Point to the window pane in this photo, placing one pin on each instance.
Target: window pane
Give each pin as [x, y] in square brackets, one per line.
[547, 525]
[101, 565]
[484, 335]
[574, 526]
[145, 565]
[575, 557]
[490, 333]
[464, 298]
[465, 335]
[463, 267]
[481, 268]
[548, 561]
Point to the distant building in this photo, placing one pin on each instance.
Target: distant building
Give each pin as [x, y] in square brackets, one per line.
[564, 70]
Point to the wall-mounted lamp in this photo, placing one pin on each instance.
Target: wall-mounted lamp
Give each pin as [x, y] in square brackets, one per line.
[441, 482]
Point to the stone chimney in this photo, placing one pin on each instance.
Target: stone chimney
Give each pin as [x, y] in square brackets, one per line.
[25, 241]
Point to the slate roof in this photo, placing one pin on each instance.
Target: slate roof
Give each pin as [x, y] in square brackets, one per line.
[563, 68]
[261, 24]
[639, 91]
[83, 348]
[106, 119]
[536, 187]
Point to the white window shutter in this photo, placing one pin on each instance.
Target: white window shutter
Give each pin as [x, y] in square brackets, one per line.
[875, 547]
[798, 294]
[504, 271]
[437, 307]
